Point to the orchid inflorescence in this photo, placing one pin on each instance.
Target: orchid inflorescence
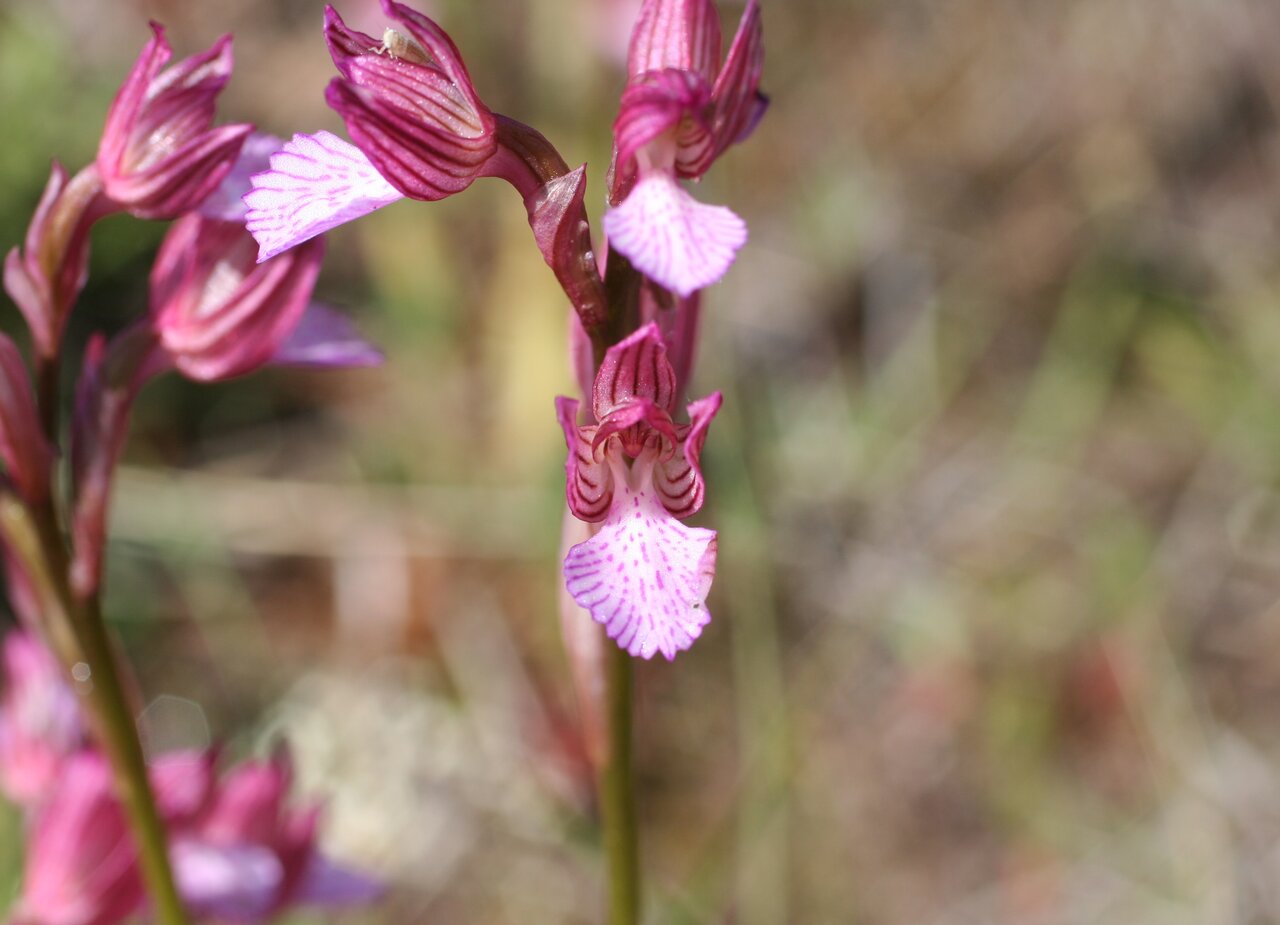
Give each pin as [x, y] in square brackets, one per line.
[230, 292]
[421, 131]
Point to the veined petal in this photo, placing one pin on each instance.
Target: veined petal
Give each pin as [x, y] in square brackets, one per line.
[739, 104]
[645, 576]
[683, 34]
[588, 481]
[316, 182]
[635, 368]
[226, 203]
[678, 480]
[672, 238]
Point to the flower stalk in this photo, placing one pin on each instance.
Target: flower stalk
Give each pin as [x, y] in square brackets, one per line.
[617, 796]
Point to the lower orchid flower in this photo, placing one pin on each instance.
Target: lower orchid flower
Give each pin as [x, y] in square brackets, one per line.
[644, 575]
[40, 723]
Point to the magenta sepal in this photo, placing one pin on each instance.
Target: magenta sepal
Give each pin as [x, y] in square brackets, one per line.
[643, 575]
[110, 379]
[159, 155]
[680, 34]
[216, 311]
[411, 108]
[26, 453]
[46, 275]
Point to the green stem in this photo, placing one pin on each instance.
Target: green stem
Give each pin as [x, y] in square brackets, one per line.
[119, 734]
[617, 797]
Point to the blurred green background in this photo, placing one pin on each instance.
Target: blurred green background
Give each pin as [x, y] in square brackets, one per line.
[995, 634]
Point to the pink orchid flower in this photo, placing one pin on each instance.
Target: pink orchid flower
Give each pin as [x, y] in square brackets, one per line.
[40, 721]
[217, 313]
[250, 855]
[677, 116]
[160, 156]
[82, 863]
[420, 131]
[644, 575]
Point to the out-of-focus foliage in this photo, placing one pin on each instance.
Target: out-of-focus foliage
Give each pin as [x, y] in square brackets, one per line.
[996, 634]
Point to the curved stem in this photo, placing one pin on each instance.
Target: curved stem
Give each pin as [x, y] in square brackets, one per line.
[617, 796]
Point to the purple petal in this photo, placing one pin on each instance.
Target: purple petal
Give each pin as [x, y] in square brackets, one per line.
[644, 576]
[672, 238]
[227, 202]
[233, 882]
[326, 338]
[328, 884]
[316, 182]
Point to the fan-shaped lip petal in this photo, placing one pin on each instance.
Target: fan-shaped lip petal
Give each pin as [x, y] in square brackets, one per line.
[316, 183]
[644, 576]
[670, 237]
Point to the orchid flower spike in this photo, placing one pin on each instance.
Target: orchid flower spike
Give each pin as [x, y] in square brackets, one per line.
[159, 156]
[644, 575]
[677, 116]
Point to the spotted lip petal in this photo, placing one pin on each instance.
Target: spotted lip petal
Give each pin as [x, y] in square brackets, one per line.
[676, 241]
[316, 182]
[645, 576]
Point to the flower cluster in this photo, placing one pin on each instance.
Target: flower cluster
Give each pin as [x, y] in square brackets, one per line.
[240, 853]
[236, 850]
[420, 130]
